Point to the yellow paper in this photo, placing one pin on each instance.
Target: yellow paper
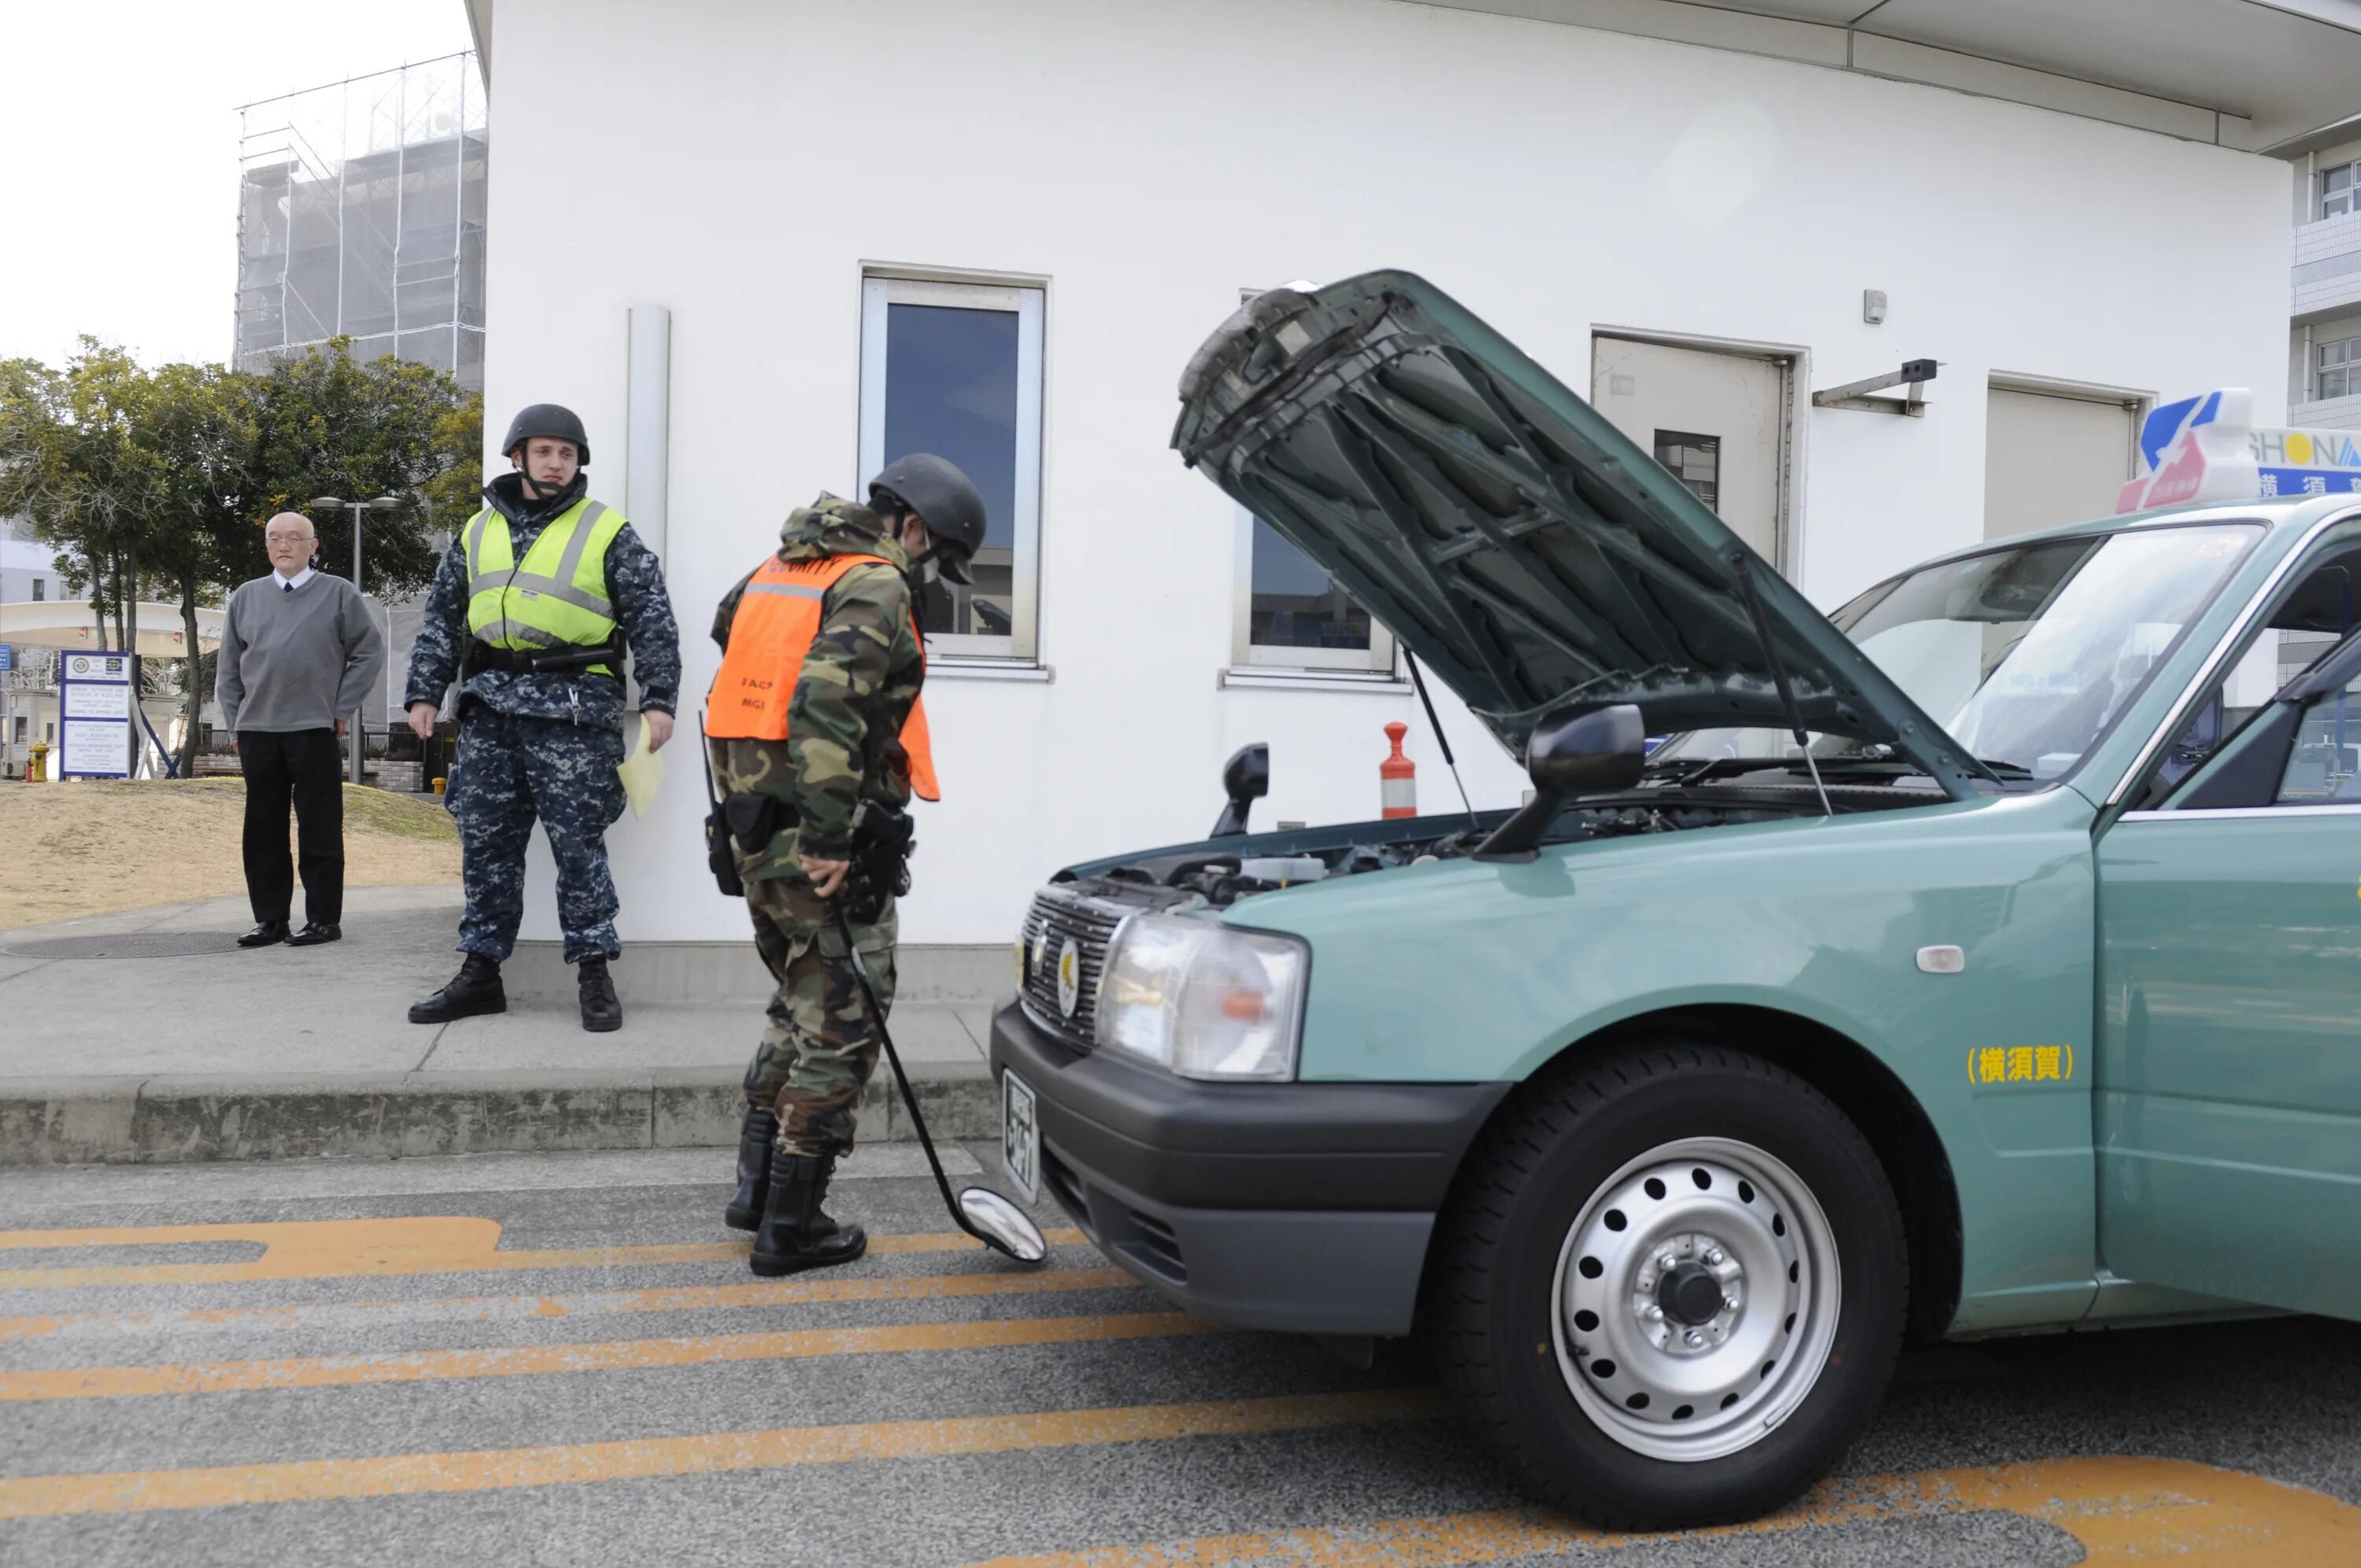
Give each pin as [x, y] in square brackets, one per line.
[642, 770]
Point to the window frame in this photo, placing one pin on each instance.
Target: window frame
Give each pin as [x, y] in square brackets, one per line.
[1380, 663]
[1692, 440]
[1020, 646]
[2330, 535]
[1380, 660]
[2345, 366]
[2350, 195]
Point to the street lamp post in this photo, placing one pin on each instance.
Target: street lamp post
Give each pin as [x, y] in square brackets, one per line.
[382, 503]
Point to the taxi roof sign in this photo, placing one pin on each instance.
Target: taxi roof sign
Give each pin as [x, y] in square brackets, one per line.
[2206, 448]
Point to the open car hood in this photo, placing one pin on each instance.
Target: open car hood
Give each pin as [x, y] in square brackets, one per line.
[1514, 540]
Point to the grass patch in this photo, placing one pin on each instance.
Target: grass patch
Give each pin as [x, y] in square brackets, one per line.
[402, 815]
[102, 845]
[369, 809]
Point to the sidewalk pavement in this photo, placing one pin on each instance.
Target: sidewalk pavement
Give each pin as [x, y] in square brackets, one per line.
[201, 1051]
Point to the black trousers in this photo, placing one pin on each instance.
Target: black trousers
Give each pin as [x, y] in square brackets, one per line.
[303, 766]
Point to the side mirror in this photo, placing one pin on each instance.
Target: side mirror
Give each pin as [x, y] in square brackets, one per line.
[1245, 778]
[1571, 754]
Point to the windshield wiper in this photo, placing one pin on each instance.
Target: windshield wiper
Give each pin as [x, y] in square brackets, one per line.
[1861, 762]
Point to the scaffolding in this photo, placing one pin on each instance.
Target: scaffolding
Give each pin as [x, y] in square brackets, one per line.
[361, 214]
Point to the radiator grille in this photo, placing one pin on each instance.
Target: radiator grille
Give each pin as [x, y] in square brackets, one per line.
[1060, 916]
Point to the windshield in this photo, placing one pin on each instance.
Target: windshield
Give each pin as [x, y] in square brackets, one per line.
[2028, 655]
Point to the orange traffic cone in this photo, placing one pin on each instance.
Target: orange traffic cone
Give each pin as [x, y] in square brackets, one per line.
[1398, 777]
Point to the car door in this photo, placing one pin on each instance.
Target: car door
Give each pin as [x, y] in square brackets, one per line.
[2228, 1081]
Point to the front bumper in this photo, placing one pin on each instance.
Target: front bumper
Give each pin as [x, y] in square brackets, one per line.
[1300, 1207]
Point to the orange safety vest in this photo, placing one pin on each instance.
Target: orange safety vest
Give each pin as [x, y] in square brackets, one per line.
[777, 617]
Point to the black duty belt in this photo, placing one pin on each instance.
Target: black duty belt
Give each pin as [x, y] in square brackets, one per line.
[482, 655]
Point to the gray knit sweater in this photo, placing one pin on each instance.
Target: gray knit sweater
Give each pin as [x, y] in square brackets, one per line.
[296, 661]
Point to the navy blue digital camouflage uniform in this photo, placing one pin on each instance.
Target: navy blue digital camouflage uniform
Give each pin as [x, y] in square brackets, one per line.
[544, 744]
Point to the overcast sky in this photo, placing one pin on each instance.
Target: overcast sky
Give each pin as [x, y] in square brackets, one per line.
[118, 152]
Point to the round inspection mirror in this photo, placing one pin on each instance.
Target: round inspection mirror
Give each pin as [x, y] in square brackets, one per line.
[1002, 1225]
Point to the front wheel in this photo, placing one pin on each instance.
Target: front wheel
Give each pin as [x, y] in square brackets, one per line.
[1671, 1288]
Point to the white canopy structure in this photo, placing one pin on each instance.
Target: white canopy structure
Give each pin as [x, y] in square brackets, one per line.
[68, 623]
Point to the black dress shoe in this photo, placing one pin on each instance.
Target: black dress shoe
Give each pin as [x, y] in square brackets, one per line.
[315, 932]
[269, 934]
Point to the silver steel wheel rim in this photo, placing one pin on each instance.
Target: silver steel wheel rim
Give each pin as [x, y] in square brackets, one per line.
[1631, 1346]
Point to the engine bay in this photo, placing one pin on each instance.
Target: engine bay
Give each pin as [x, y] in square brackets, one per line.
[1221, 877]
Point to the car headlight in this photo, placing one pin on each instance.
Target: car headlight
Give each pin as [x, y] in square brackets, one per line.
[1201, 1000]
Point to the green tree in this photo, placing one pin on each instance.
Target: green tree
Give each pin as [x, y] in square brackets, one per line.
[330, 425]
[168, 474]
[71, 462]
[456, 494]
[198, 423]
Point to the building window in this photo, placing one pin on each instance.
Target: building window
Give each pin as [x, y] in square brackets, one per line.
[40, 589]
[2337, 190]
[20, 729]
[2336, 368]
[955, 369]
[1291, 614]
[1695, 461]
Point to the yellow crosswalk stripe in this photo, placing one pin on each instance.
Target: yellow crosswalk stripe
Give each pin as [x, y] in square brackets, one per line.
[2123, 1510]
[138, 1491]
[366, 1315]
[332, 1249]
[596, 1355]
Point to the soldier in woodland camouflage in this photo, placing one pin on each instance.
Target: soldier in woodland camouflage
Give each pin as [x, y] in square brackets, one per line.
[803, 751]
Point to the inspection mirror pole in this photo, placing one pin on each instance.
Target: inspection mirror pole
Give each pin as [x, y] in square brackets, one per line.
[981, 1212]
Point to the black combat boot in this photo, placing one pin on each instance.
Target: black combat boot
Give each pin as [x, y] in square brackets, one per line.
[602, 1013]
[794, 1235]
[475, 988]
[754, 1139]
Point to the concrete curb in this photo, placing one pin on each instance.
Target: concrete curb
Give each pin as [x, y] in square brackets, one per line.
[135, 1120]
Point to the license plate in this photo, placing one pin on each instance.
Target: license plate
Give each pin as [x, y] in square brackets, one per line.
[1020, 1135]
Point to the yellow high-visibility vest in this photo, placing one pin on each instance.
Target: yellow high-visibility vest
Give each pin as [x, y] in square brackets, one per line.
[556, 596]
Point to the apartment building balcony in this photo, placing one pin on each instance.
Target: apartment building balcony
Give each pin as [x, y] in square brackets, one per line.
[2327, 273]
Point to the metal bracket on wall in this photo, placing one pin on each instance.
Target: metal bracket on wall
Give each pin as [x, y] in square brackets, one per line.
[1915, 374]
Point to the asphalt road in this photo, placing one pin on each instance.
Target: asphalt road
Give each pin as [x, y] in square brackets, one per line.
[518, 1359]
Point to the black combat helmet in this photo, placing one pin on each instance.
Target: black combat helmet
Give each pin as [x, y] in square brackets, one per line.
[935, 489]
[552, 420]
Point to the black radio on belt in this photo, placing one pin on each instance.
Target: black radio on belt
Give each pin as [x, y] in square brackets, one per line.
[883, 839]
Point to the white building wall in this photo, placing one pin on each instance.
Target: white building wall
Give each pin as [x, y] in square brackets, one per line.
[24, 562]
[739, 162]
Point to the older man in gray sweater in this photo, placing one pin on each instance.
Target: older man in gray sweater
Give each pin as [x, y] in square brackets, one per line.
[298, 651]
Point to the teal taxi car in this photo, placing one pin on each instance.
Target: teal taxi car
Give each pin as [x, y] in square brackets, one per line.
[1984, 958]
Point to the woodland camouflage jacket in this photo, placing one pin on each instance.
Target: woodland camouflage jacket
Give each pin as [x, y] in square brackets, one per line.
[851, 699]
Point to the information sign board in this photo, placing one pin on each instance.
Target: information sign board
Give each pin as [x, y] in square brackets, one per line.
[94, 714]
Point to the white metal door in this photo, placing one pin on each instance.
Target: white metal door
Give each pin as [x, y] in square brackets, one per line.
[1715, 419]
[2049, 459]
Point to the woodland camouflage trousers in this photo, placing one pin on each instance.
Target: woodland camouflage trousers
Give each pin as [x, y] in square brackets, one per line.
[820, 1045]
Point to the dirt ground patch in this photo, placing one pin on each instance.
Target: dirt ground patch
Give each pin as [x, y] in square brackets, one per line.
[93, 848]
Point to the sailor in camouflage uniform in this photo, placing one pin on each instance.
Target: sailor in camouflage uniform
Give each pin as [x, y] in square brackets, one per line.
[528, 612]
[815, 723]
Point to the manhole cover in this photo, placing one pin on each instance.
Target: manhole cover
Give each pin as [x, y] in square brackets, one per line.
[127, 944]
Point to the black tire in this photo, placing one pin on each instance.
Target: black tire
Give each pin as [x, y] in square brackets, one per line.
[1492, 1305]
